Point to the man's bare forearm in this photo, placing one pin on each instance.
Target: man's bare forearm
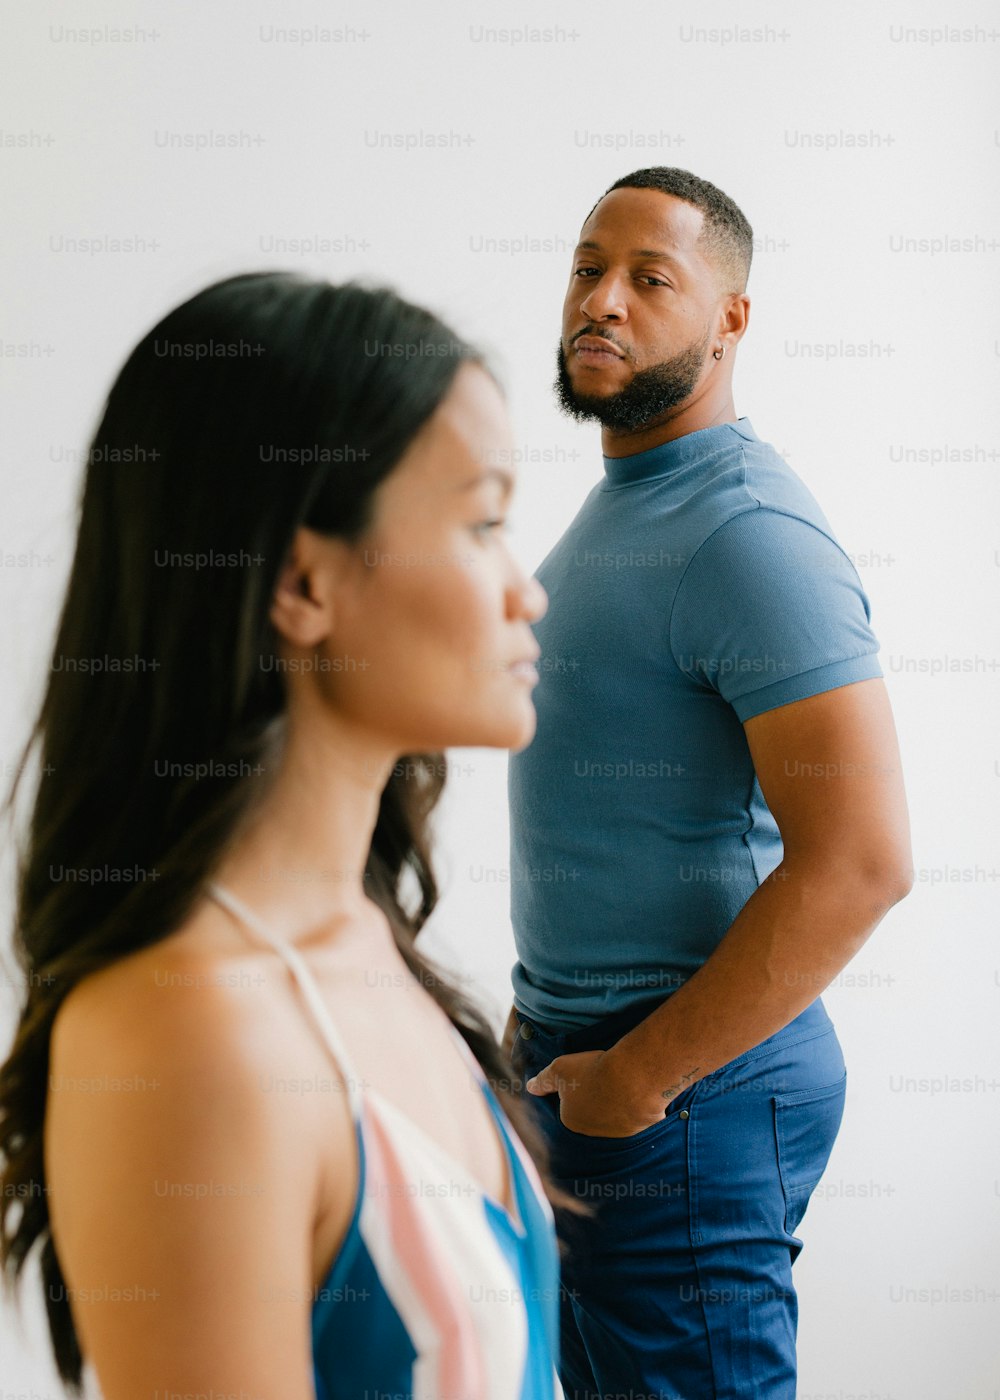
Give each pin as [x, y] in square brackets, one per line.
[795, 933]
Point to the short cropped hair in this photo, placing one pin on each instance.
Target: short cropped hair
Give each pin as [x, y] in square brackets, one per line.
[726, 233]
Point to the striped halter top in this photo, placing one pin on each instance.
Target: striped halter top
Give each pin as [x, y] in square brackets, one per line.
[437, 1292]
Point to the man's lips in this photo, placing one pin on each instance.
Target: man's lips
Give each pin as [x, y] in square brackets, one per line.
[594, 347]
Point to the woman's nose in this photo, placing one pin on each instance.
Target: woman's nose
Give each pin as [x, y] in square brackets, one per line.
[533, 600]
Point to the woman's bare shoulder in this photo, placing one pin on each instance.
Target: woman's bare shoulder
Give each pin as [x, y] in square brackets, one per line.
[191, 983]
[211, 1027]
[172, 1164]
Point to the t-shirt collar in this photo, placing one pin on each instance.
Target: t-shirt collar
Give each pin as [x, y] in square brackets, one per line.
[661, 460]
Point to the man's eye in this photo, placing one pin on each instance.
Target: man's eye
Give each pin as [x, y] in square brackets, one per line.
[485, 525]
[654, 281]
[583, 271]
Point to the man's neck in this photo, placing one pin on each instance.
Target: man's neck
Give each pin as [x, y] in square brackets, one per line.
[689, 417]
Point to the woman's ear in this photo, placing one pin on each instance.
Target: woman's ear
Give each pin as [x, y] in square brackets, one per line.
[302, 605]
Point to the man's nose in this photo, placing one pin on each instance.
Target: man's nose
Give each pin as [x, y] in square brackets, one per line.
[605, 300]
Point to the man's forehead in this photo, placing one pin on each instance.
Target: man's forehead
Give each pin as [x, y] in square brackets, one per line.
[657, 220]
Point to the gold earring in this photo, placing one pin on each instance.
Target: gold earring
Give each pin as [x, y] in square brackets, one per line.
[719, 354]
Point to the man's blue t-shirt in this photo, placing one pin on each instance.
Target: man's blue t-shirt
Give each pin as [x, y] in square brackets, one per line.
[698, 585]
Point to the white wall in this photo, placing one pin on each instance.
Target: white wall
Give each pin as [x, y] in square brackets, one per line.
[903, 146]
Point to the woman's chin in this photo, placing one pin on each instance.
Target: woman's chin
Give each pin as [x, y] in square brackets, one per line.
[511, 726]
[522, 729]
[512, 731]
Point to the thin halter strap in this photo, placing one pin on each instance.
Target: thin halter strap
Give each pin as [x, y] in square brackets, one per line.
[299, 968]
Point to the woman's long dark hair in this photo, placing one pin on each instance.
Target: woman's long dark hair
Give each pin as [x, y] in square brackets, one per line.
[265, 402]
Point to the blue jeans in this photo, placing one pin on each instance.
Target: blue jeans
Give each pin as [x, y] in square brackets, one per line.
[679, 1284]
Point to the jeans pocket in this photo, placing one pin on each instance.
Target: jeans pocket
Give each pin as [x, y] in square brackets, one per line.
[806, 1123]
[594, 1143]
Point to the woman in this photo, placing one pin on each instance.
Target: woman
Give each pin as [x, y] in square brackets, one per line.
[244, 1117]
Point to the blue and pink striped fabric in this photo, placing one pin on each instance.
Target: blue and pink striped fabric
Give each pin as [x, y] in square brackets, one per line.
[438, 1292]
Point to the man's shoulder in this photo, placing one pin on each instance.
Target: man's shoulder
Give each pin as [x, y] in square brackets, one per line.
[758, 522]
[773, 483]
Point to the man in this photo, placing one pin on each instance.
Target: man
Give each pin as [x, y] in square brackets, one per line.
[708, 825]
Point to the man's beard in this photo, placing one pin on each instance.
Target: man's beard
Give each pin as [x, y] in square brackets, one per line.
[649, 395]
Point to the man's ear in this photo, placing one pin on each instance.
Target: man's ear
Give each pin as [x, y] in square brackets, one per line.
[737, 316]
[302, 604]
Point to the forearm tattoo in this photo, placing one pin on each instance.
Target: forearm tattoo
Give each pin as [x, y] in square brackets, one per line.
[675, 1089]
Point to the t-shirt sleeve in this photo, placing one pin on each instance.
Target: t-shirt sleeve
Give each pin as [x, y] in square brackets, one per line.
[771, 610]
